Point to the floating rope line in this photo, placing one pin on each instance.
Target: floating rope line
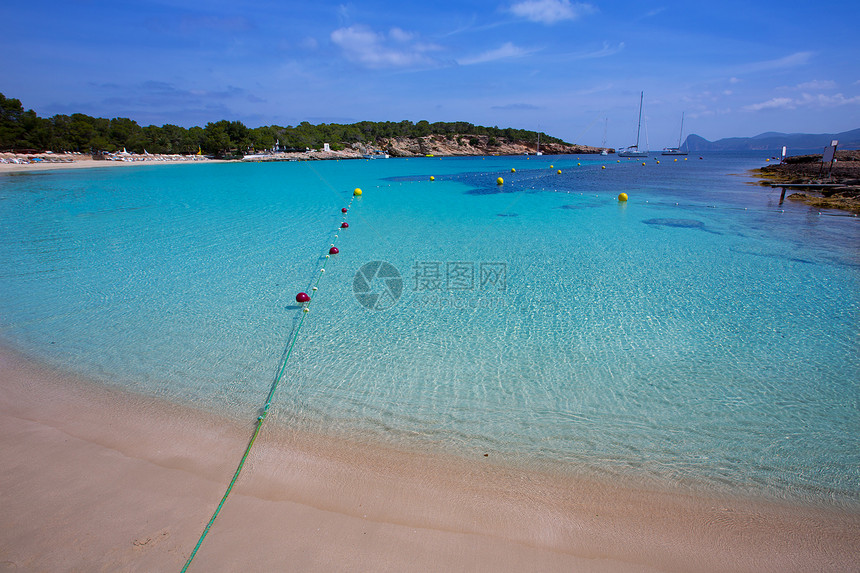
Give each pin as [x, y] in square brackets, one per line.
[265, 410]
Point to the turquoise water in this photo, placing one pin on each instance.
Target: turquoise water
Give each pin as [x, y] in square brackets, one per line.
[700, 335]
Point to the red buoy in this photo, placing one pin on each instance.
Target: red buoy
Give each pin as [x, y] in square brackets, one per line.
[333, 251]
[303, 297]
[344, 225]
[343, 210]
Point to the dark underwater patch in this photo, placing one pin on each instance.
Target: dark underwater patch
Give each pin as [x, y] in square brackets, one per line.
[680, 223]
[577, 207]
[489, 190]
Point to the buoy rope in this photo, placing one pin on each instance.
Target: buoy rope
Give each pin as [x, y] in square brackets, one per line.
[258, 425]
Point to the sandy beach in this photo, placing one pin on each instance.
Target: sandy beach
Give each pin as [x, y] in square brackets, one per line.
[25, 163]
[92, 479]
[43, 161]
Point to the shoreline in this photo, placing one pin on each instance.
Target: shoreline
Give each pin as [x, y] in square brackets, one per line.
[87, 162]
[98, 479]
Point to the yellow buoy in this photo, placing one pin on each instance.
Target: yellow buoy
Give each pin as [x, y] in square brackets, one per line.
[500, 181]
[579, 163]
[513, 170]
[603, 167]
[550, 166]
[622, 196]
[675, 160]
[432, 178]
[357, 192]
[658, 162]
[643, 163]
[618, 161]
[559, 171]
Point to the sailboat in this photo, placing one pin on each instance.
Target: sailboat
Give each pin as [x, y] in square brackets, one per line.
[677, 150]
[603, 150]
[538, 152]
[633, 150]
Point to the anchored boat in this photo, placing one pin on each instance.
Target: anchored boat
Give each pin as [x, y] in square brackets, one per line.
[677, 150]
[633, 150]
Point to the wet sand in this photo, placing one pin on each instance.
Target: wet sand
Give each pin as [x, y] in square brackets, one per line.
[94, 479]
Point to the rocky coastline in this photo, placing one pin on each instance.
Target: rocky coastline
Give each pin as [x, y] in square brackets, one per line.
[430, 145]
[473, 145]
[842, 189]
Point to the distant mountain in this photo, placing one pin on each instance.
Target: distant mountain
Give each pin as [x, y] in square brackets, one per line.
[773, 141]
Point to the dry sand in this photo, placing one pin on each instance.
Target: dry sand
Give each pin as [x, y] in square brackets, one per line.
[92, 479]
[86, 162]
[51, 162]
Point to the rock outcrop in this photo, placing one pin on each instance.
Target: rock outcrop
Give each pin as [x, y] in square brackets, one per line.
[464, 145]
[807, 169]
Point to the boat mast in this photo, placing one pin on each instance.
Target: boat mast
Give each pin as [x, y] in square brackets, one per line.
[605, 125]
[680, 135]
[639, 125]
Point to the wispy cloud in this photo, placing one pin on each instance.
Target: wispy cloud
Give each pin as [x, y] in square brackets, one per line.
[805, 100]
[397, 49]
[603, 52]
[505, 51]
[654, 12]
[516, 107]
[551, 11]
[189, 25]
[790, 61]
[817, 85]
[153, 92]
[594, 90]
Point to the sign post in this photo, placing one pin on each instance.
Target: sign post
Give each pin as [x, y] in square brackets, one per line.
[829, 155]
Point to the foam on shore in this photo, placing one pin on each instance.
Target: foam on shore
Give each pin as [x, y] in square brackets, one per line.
[93, 478]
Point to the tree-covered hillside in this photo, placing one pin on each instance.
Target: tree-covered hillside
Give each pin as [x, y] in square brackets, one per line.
[21, 130]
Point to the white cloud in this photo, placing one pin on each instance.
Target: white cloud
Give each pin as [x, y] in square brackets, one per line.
[400, 35]
[551, 11]
[363, 45]
[829, 101]
[775, 103]
[734, 81]
[505, 51]
[817, 85]
[805, 100]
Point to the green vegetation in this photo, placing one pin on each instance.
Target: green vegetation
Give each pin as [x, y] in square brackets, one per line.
[20, 130]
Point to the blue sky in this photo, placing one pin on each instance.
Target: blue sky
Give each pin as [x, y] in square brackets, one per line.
[734, 68]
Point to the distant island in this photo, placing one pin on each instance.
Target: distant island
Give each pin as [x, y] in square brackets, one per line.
[774, 142]
[25, 132]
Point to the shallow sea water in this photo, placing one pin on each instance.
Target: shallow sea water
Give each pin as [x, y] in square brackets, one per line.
[698, 335]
